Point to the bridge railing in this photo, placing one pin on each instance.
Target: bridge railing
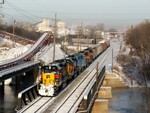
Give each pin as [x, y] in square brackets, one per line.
[27, 96]
[91, 93]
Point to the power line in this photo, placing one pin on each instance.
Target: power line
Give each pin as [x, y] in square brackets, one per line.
[19, 10]
[23, 12]
[11, 17]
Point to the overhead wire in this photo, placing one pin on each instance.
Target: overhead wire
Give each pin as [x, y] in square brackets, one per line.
[19, 11]
[77, 16]
[23, 12]
[11, 17]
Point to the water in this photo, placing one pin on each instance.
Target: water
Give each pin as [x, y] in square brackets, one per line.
[8, 101]
[128, 100]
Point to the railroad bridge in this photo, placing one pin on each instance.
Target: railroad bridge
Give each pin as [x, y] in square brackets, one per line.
[83, 94]
[87, 93]
[23, 64]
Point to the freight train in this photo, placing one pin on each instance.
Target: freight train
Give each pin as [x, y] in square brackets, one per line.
[57, 74]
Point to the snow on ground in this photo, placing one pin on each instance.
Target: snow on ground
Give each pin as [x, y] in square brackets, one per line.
[11, 52]
[130, 71]
[46, 55]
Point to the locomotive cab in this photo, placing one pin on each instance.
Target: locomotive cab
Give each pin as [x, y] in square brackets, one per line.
[52, 77]
[89, 54]
[70, 67]
[74, 60]
[86, 56]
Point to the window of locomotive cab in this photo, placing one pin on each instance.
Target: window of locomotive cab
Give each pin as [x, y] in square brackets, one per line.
[82, 56]
[91, 51]
[53, 68]
[45, 69]
[68, 61]
[86, 53]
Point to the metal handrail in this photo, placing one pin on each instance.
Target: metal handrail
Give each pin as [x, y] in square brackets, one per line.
[28, 95]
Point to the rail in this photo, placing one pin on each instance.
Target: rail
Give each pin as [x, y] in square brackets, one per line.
[71, 102]
[56, 102]
[91, 93]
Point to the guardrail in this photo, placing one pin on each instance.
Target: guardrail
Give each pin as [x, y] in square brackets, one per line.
[91, 93]
[27, 96]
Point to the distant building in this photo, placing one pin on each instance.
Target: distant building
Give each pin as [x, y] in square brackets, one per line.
[43, 26]
[62, 30]
[61, 25]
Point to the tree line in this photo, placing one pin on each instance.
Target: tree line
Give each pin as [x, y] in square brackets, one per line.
[20, 31]
[138, 38]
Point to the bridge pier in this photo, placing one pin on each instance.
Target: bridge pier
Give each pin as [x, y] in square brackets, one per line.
[2, 87]
[17, 81]
[105, 92]
[101, 103]
[113, 80]
[100, 106]
[110, 81]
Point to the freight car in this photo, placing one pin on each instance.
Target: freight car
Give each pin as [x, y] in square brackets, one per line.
[55, 75]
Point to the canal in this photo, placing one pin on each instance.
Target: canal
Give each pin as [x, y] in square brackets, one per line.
[128, 100]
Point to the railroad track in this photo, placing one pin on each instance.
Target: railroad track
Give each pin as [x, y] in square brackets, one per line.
[43, 100]
[73, 91]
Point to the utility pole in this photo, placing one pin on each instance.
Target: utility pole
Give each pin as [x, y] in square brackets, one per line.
[2, 2]
[65, 41]
[14, 31]
[1, 19]
[88, 39]
[78, 37]
[1, 16]
[112, 59]
[55, 35]
[81, 35]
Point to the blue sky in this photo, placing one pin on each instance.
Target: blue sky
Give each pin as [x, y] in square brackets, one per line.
[113, 13]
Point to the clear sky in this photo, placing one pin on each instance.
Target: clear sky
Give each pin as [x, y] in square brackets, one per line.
[114, 13]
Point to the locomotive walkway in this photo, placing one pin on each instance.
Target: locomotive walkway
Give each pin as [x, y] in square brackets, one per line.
[69, 100]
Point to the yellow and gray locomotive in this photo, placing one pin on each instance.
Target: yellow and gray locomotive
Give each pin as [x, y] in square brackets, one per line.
[55, 75]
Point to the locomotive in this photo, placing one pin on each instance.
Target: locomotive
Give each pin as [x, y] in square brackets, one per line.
[55, 75]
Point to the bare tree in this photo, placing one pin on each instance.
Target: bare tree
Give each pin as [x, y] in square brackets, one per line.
[138, 38]
[95, 30]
